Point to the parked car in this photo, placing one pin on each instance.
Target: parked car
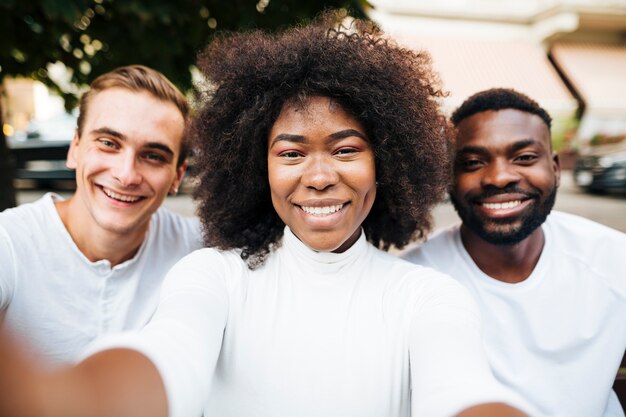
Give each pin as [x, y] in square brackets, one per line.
[602, 168]
[41, 150]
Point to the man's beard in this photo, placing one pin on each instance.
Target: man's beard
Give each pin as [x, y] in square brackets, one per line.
[529, 221]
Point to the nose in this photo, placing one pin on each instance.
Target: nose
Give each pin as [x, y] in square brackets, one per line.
[500, 174]
[320, 173]
[125, 170]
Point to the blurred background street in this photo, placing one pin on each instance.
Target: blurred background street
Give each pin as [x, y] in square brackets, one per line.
[569, 55]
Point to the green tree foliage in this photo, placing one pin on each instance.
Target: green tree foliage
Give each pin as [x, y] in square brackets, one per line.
[91, 37]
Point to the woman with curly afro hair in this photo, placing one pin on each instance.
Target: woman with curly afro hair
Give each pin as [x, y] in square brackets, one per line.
[391, 91]
[318, 147]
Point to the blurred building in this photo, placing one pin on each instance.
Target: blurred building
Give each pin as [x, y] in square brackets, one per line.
[25, 100]
[569, 55]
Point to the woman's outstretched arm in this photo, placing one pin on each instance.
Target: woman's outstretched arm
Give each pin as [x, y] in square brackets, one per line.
[492, 410]
[117, 382]
[163, 370]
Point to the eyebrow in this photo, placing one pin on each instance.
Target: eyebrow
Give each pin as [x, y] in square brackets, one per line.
[514, 147]
[471, 149]
[333, 137]
[346, 134]
[108, 131]
[150, 145]
[286, 137]
[521, 144]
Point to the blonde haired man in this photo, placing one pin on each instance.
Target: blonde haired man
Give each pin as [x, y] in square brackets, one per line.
[73, 270]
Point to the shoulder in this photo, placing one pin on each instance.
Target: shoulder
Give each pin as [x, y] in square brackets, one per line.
[23, 221]
[417, 281]
[579, 235]
[573, 224]
[437, 251]
[175, 227]
[174, 221]
[394, 267]
[28, 211]
[208, 267]
[424, 296]
[18, 228]
[583, 248]
[8, 261]
[212, 257]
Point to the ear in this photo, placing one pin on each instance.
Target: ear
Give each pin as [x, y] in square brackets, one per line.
[72, 153]
[180, 173]
[556, 166]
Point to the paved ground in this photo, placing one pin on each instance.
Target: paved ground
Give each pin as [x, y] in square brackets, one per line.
[609, 210]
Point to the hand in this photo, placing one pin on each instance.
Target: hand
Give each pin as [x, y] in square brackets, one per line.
[113, 383]
[492, 410]
[20, 384]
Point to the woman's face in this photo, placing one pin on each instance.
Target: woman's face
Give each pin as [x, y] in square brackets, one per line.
[321, 173]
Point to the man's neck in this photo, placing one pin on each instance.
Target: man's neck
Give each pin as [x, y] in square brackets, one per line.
[506, 263]
[95, 242]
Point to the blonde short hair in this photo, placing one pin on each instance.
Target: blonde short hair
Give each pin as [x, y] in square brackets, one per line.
[138, 78]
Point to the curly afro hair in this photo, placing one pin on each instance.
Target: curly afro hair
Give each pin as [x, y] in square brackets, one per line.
[499, 99]
[392, 91]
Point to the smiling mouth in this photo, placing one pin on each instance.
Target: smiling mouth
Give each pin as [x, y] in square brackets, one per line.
[322, 211]
[121, 197]
[501, 206]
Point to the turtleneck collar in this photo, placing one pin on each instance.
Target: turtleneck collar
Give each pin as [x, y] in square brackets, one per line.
[326, 262]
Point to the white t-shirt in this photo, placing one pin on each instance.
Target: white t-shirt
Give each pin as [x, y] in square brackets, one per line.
[557, 337]
[360, 333]
[59, 300]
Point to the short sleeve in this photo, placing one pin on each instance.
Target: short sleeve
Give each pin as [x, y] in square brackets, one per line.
[449, 369]
[184, 337]
[8, 269]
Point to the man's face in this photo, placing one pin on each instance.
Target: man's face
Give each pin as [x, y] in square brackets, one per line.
[126, 158]
[505, 175]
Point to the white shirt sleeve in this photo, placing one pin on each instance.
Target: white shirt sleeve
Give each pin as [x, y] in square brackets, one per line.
[449, 369]
[184, 337]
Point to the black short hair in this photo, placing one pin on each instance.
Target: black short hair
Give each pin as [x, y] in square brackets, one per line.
[392, 91]
[499, 99]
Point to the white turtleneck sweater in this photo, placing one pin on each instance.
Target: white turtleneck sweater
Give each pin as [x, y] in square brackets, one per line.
[360, 333]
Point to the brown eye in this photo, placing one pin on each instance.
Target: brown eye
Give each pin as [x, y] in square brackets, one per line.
[106, 143]
[526, 158]
[470, 164]
[155, 157]
[346, 151]
[290, 154]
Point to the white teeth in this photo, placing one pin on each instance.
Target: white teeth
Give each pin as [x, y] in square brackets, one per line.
[499, 206]
[322, 211]
[120, 197]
